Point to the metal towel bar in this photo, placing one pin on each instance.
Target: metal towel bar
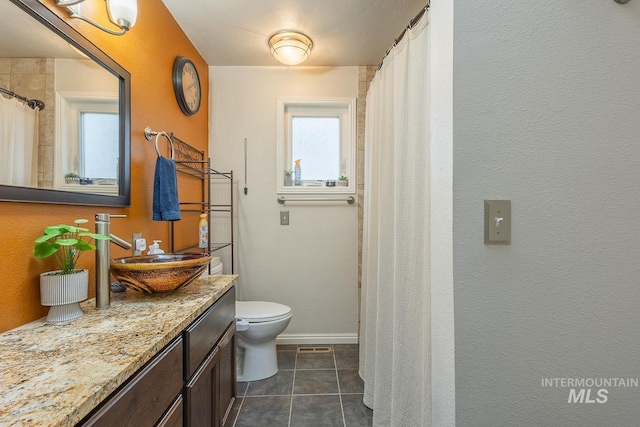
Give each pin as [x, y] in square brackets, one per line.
[351, 200]
[149, 134]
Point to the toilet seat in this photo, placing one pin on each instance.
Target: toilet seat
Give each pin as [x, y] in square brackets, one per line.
[261, 311]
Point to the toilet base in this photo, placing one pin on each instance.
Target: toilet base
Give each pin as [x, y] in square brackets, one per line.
[256, 361]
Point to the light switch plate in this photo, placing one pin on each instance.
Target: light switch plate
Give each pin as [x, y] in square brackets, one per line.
[284, 217]
[497, 222]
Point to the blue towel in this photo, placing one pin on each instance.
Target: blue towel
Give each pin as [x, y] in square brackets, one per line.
[166, 206]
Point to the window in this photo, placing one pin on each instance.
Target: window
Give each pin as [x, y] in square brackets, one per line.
[87, 125]
[320, 133]
[98, 156]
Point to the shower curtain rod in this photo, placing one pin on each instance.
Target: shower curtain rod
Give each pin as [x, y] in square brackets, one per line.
[397, 40]
[32, 103]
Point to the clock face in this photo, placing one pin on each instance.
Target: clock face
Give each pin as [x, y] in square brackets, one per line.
[186, 84]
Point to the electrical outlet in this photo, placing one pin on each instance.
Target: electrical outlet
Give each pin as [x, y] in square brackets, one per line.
[134, 246]
[284, 217]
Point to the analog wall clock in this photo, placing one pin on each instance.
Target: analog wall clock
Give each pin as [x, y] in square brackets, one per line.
[186, 85]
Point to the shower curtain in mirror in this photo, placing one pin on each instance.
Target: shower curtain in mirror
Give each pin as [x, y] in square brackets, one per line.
[395, 308]
[18, 143]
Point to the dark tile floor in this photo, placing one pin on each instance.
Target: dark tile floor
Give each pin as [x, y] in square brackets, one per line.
[310, 390]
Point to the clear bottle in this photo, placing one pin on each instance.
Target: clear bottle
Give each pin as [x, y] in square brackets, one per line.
[203, 232]
[297, 173]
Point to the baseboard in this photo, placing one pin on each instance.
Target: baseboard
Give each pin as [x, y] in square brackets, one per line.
[310, 339]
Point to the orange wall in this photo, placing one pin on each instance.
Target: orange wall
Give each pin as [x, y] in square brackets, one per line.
[147, 51]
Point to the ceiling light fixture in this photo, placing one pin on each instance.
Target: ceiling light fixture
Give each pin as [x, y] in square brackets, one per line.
[122, 13]
[290, 47]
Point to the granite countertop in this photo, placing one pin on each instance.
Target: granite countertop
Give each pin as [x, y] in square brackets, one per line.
[55, 374]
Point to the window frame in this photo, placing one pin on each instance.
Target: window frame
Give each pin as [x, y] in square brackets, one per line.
[69, 107]
[345, 108]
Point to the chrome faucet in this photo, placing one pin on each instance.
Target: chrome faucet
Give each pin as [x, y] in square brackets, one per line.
[103, 258]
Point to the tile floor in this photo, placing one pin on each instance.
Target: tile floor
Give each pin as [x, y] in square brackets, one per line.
[310, 390]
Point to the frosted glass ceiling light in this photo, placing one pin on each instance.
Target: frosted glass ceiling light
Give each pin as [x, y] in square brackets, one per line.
[122, 13]
[290, 47]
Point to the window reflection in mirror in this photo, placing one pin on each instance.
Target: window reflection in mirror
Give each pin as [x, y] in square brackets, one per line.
[87, 126]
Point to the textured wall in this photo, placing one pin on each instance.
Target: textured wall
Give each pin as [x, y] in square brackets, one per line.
[546, 104]
[310, 265]
[147, 52]
[442, 309]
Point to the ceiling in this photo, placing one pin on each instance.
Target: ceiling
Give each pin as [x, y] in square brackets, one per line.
[344, 32]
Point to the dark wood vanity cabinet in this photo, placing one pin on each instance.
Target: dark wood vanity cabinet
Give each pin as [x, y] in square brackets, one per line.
[228, 391]
[191, 382]
[210, 369]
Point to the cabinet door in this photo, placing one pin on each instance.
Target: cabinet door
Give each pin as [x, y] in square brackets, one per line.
[202, 394]
[143, 400]
[227, 346]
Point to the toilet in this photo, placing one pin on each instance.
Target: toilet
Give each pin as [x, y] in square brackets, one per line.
[258, 324]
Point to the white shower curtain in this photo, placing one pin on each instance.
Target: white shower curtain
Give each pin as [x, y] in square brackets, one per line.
[395, 321]
[18, 143]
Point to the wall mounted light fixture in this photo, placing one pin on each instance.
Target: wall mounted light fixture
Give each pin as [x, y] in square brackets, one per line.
[290, 47]
[122, 13]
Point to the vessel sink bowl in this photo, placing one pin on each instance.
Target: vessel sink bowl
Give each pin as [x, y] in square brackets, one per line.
[159, 273]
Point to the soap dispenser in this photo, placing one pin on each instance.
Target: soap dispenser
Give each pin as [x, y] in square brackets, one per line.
[155, 248]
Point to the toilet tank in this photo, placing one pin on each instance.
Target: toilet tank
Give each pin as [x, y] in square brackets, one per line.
[215, 266]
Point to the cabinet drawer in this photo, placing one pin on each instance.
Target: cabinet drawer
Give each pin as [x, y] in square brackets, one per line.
[145, 398]
[202, 335]
[174, 416]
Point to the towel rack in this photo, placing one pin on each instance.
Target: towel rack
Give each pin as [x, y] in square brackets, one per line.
[351, 200]
[148, 133]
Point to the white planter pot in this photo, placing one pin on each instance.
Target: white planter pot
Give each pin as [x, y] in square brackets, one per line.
[63, 292]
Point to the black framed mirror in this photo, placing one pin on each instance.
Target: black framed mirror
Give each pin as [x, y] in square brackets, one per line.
[82, 149]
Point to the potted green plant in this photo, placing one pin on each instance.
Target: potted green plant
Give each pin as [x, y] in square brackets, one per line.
[288, 177]
[343, 181]
[63, 289]
[71, 178]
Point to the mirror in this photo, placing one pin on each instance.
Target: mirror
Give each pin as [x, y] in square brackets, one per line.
[77, 149]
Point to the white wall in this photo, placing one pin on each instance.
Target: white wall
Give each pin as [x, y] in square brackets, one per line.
[546, 106]
[84, 75]
[311, 264]
[442, 308]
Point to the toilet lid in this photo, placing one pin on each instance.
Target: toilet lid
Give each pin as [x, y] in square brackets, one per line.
[261, 311]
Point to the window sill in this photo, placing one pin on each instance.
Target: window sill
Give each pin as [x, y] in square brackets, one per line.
[308, 188]
[111, 189]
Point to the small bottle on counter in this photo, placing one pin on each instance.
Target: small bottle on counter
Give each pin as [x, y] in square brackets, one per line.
[297, 173]
[203, 232]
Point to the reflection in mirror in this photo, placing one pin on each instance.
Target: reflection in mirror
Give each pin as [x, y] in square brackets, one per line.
[86, 138]
[75, 149]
